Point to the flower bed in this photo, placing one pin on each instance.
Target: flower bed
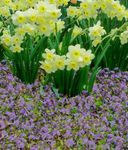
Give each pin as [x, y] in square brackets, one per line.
[34, 117]
[56, 91]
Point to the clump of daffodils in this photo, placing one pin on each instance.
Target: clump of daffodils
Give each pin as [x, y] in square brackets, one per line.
[89, 9]
[12, 42]
[96, 32]
[113, 9]
[15, 5]
[41, 19]
[75, 59]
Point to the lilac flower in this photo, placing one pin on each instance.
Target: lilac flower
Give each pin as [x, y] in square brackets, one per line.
[16, 123]
[22, 102]
[10, 77]
[55, 133]
[20, 144]
[23, 112]
[110, 138]
[70, 142]
[92, 145]
[11, 115]
[67, 134]
[98, 136]
[35, 147]
[32, 137]
[81, 132]
[10, 88]
[11, 138]
[1, 135]
[2, 125]
[85, 141]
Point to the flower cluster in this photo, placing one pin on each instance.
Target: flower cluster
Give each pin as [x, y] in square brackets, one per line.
[76, 31]
[110, 7]
[78, 57]
[52, 61]
[12, 42]
[41, 19]
[7, 5]
[88, 5]
[33, 117]
[15, 5]
[113, 9]
[124, 37]
[75, 58]
[73, 11]
[96, 32]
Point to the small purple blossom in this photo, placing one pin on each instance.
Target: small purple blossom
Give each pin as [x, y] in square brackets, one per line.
[70, 142]
[2, 125]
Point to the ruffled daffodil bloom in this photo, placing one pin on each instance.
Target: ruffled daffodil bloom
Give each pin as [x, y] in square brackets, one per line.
[96, 32]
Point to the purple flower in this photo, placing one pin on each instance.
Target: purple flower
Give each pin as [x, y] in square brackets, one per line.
[56, 133]
[35, 147]
[85, 141]
[1, 135]
[67, 134]
[16, 123]
[23, 112]
[70, 142]
[2, 125]
[11, 138]
[10, 77]
[44, 129]
[98, 136]
[32, 137]
[11, 115]
[22, 102]
[92, 145]
[110, 138]
[10, 88]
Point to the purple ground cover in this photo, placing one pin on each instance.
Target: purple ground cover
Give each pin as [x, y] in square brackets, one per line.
[33, 117]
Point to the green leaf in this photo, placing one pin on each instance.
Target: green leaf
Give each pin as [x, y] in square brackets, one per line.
[55, 91]
[92, 79]
[74, 110]
[98, 103]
